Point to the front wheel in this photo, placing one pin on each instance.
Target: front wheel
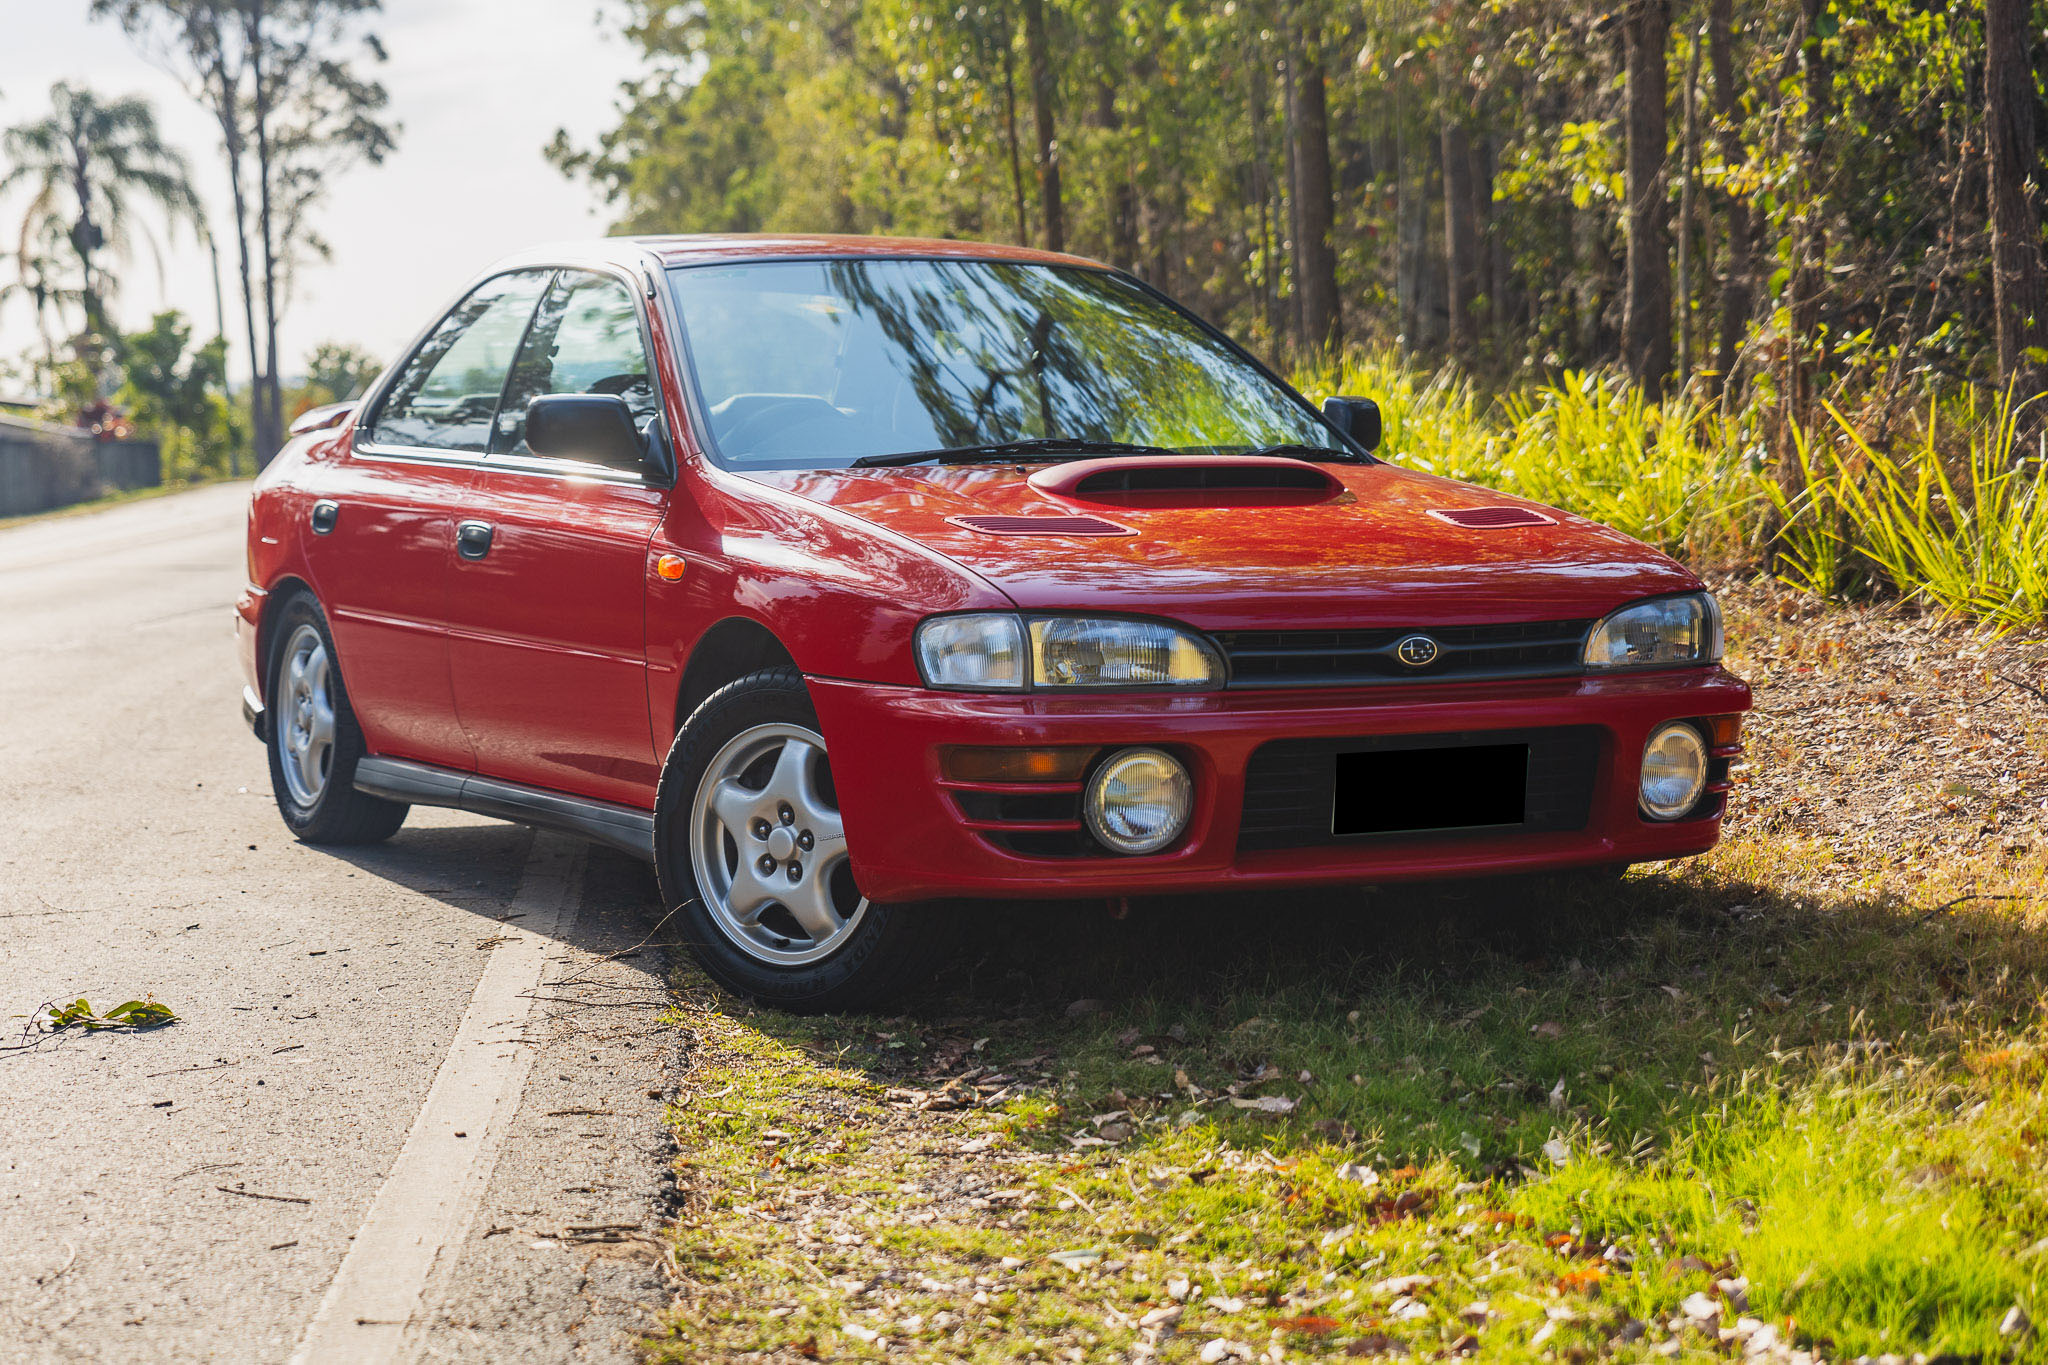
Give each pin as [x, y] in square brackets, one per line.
[750, 845]
[314, 740]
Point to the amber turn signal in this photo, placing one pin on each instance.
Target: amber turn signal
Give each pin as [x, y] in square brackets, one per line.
[670, 567]
[1725, 731]
[1015, 765]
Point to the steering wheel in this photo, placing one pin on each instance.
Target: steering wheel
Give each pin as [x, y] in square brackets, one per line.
[741, 437]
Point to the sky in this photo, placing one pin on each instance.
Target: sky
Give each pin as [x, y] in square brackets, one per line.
[479, 87]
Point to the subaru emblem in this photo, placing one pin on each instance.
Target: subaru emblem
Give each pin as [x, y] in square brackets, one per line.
[1416, 651]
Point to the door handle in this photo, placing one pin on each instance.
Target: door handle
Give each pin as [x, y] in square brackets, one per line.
[473, 539]
[325, 513]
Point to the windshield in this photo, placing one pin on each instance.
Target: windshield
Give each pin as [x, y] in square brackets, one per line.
[816, 364]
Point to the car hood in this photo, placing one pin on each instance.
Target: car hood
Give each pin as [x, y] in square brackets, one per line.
[1366, 553]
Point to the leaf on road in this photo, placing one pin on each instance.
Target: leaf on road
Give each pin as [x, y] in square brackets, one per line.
[1266, 1104]
[1310, 1323]
[1079, 1258]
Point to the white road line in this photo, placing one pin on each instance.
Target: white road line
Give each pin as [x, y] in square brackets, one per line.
[430, 1198]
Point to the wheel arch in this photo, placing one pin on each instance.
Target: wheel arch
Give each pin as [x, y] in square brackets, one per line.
[281, 592]
[731, 649]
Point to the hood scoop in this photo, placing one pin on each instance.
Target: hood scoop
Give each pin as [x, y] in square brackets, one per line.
[1189, 481]
[1491, 518]
[998, 525]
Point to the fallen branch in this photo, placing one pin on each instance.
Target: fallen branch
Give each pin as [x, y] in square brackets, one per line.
[253, 1194]
[2036, 693]
[1974, 896]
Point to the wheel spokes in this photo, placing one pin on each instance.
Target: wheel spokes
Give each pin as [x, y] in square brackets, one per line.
[769, 846]
[734, 806]
[751, 893]
[809, 903]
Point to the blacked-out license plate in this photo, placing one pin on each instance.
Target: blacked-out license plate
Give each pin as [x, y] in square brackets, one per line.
[1391, 791]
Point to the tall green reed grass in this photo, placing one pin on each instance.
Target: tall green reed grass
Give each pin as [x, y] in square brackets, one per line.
[1940, 512]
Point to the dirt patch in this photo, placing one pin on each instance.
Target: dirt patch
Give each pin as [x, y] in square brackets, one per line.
[1895, 737]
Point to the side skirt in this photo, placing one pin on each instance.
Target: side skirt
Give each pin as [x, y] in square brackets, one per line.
[423, 784]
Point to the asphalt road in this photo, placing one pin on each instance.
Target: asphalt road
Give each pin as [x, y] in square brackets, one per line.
[190, 1193]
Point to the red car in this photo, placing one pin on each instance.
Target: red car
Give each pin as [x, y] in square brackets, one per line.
[1079, 600]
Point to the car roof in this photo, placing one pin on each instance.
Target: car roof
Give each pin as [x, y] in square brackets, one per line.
[699, 249]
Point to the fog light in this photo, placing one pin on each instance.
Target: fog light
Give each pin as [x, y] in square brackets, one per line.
[1139, 801]
[1674, 771]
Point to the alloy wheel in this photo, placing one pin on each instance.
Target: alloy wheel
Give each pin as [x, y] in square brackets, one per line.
[306, 715]
[770, 847]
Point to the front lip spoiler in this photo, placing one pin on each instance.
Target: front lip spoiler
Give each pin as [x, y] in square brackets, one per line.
[253, 714]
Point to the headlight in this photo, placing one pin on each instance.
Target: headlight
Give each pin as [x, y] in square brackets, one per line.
[1674, 771]
[1139, 801]
[987, 651]
[984, 651]
[1660, 633]
[1079, 652]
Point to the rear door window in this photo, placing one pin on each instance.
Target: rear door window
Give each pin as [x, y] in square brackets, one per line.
[447, 395]
[585, 338]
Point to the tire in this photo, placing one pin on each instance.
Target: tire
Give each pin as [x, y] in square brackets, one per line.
[754, 751]
[314, 741]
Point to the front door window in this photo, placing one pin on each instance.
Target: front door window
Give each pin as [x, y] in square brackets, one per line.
[447, 394]
[585, 338]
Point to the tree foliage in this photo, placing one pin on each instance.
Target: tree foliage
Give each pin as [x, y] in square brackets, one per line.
[1820, 165]
[177, 393]
[85, 165]
[281, 80]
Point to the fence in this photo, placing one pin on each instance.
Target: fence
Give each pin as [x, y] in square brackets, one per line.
[44, 466]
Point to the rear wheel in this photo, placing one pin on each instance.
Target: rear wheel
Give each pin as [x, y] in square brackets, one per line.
[750, 844]
[314, 740]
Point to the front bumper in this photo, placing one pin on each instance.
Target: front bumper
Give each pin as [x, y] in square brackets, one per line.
[911, 839]
[248, 629]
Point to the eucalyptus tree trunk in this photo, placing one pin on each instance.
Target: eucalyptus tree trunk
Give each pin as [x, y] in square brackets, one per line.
[2011, 106]
[1646, 304]
[1461, 239]
[1039, 58]
[1010, 133]
[1738, 283]
[1322, 324]
[269, 396]
[1809, 241]
[1688, 162]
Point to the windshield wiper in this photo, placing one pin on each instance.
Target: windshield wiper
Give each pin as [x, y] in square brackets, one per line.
[1298, 451]
[1037, 447]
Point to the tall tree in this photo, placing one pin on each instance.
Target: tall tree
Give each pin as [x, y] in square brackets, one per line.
[1038, 58]
[1315, 255]
[1461, 236]
[1738, 284]
[1809, 239]
[86, 163]
[1646, 304]
[278, 78]
[2012, 106]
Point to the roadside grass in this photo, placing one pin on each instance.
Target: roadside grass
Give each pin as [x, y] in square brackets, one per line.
[126, 495]
[1931, 495]
[1617, 1122]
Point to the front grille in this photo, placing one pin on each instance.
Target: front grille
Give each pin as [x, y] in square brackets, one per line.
[1290, 784]
[1346, 658]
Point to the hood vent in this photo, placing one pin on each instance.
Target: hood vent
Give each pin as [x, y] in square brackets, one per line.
[997, 525]
[1492, 518]
[1188, 480]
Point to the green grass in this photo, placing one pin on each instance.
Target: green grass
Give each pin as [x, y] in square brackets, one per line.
[126, 495]
[1582, 1107]
[1938, 509]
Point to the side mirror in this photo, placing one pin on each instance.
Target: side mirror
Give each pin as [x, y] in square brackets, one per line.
[594, 427]
[1358, 418]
